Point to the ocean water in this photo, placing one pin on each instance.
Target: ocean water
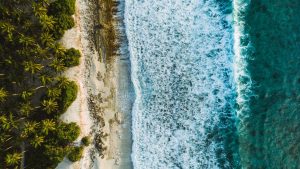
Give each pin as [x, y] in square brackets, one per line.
[217, 83]
[269, 112]
[182, 58]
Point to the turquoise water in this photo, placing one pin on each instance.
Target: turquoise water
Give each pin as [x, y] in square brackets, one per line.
[269, 132]
[217, 83]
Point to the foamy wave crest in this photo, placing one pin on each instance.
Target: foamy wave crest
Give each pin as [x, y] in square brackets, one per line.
[182, 71]
[242, 49]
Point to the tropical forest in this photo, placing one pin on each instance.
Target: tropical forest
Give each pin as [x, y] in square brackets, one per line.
[33, 91]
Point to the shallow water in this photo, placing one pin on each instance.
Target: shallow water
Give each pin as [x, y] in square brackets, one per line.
[182, 71]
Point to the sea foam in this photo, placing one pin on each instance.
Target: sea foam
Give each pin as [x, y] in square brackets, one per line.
[242, 49]
[181, 55]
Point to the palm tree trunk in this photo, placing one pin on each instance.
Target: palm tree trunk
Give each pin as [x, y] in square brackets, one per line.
[23, 155]
[8, 148]
[38, 87]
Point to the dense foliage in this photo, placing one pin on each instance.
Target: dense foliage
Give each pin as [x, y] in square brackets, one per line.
[75, 154]
[86, 141]
[62, 7]
[33, 94]
[72, 57]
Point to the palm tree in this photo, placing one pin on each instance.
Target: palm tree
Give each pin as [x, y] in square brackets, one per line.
[45, 79]
[47, 22]
[54, 92]
[26, 41]
[7, 28]
[48, 125]
[3, 94]
[41, 53]
[32, 67]
[29, 128]
[13, 159]
[27, 25]
[58, 65]
[62, 82]
[49, 105]
[47, 39]
[12, 120]
[39, 10]
[5, 124]
[37, 141]
[26, 109]
[25, 95]
[45, 3]
[58, 49]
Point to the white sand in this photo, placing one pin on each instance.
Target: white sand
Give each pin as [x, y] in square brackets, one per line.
[79, 111]
[110, 86]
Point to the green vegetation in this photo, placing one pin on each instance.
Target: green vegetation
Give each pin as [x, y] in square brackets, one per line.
[61, 11]
[69, 93]
[75, 154]
[33, 94]
[72, 57]
[62, 7]
[86, 141]
[64, 22]
[67, 133]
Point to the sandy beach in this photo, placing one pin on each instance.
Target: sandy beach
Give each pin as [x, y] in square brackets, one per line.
[103, 105]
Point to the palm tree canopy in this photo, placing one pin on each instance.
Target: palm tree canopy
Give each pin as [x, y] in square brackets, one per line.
[26, 41]
[48, 125]
[26, 95]
[47, 22]
[63, 81]
[13, 159]
[29, 128]
[54, 92]
[49, 105]
[39, 10]
[47, 39]
[58, 65]
[45, 79]
[58, 49]
[3, 94]
[5, 124]
[26, 109]
[32, 67]
[37, 141]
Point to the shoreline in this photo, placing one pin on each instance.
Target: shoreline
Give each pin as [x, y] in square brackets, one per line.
[119, 140]
[102, 108]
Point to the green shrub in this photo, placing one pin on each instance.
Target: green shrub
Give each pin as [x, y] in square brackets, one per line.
[62, 7]
[55, 153]
[85, 141]
[67, 133]
[64, 21]
[75, 154]
[71, 57]
[58, 33]
[69, 94]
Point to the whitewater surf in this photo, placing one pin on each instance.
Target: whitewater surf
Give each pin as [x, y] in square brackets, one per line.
[182, 69]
